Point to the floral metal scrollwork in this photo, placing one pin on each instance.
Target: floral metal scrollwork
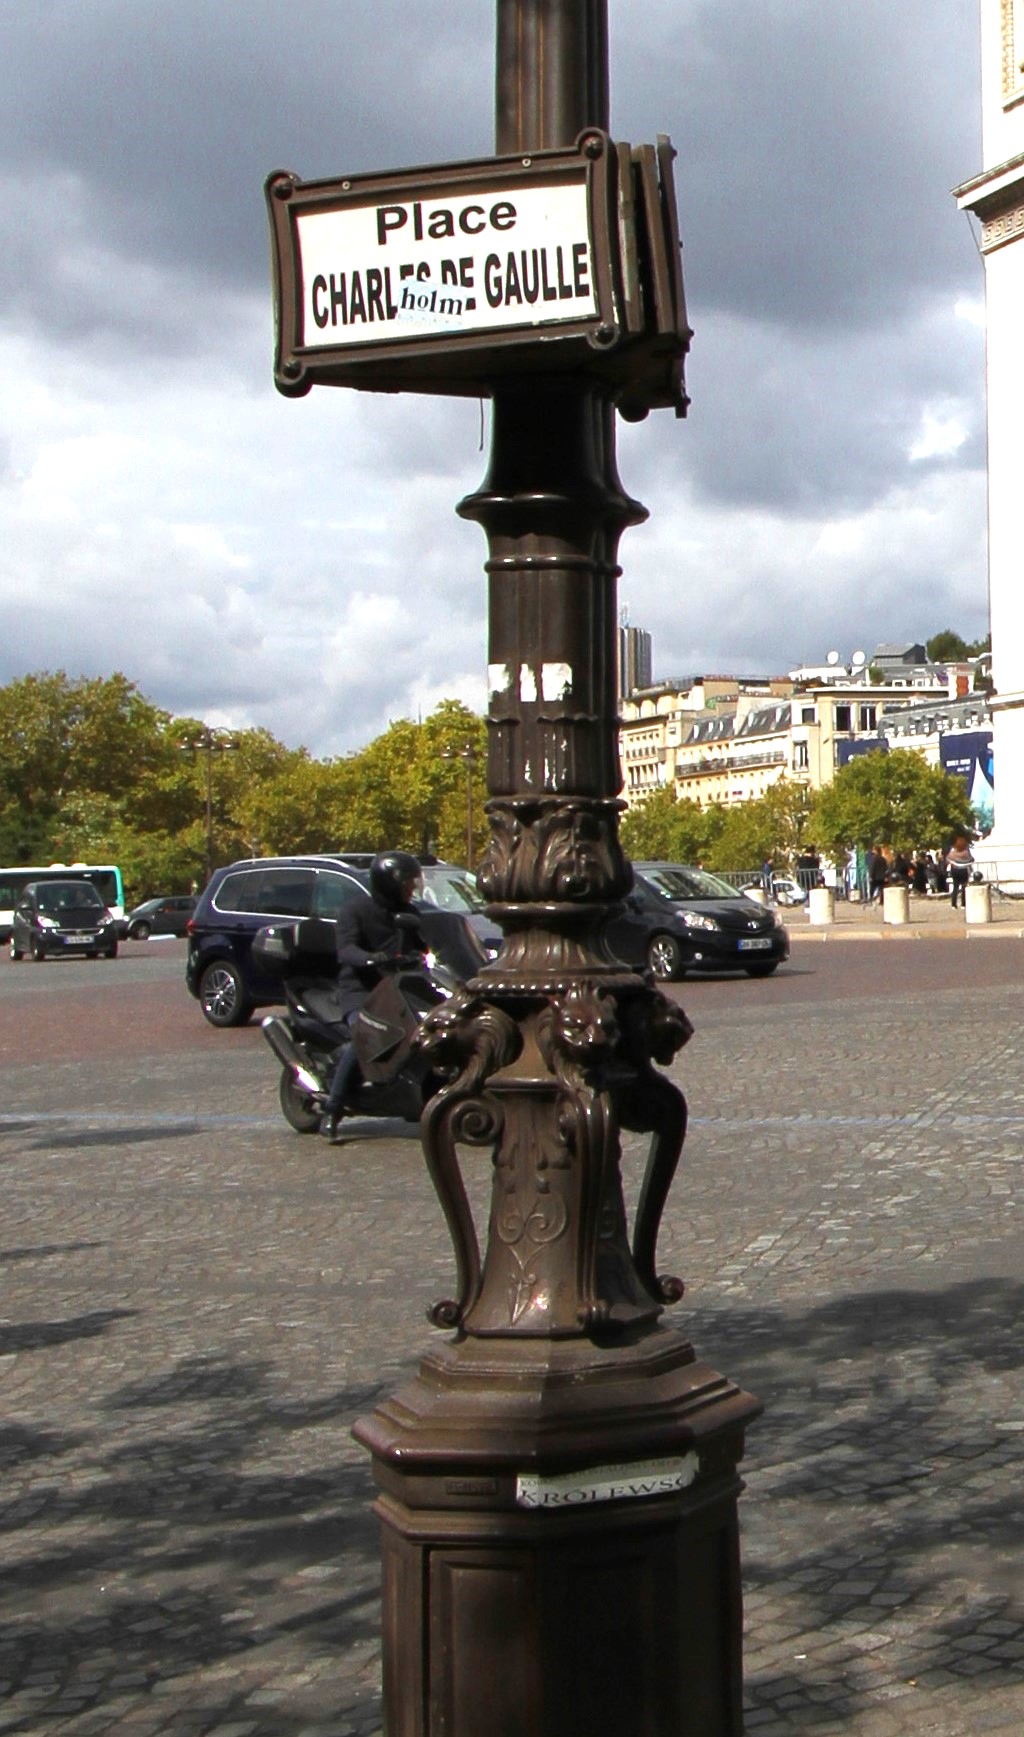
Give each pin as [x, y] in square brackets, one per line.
[653, 1027]
[467, 1040]
[546, 852]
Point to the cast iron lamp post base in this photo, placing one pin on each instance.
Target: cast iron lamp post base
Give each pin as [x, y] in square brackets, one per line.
[581, 1618]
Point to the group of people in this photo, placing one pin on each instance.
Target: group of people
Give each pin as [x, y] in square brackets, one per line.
[939, 872]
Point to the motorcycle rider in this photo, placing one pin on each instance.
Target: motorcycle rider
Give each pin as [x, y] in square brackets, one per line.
[370, 938]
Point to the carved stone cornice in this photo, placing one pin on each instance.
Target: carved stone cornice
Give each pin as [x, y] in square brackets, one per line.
[1004, 227]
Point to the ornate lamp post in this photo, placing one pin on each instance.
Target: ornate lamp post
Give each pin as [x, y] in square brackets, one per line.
[209, 741]
[558, 1484]
[467, 755]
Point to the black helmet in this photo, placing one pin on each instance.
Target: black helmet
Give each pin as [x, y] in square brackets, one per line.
[390, 873]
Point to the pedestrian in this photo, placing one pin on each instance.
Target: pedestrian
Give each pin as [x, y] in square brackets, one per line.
[959, 863]
[877, 870]
[941, 873]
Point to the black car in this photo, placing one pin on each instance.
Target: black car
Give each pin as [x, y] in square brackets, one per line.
[62, 917]
[679, 919]
[167, 916]
[220, 970]
[446, 887]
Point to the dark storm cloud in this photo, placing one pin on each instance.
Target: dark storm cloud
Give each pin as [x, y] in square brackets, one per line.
[817, 142]
[821, 421]
[171, 115]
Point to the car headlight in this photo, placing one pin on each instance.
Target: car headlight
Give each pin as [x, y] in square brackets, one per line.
[698, 920]
[47, 922]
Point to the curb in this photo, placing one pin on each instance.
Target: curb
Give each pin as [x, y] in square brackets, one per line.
[909, 932]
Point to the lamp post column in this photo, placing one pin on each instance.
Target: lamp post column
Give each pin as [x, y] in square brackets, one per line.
[558, 1484]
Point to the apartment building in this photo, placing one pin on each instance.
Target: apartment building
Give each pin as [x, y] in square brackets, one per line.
[721, 739]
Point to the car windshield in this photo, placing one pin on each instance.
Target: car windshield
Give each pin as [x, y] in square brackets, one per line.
[689, 883]
[450, 891]
[67, 896]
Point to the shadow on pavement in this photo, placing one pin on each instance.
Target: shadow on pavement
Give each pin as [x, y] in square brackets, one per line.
[210, 1528]
[883, 1508]
[191, 1536]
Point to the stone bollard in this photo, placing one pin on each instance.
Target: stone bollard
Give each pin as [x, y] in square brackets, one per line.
[895, 905]
[821, 905]
[979, 902]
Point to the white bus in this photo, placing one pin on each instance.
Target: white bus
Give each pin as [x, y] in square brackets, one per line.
[105, 877]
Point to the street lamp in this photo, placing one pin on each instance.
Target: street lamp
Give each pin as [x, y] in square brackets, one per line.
[467, 754]
[558, 1482]
[208, 741]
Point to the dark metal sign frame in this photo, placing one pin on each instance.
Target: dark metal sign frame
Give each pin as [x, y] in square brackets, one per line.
[633, 342]
[461, 361]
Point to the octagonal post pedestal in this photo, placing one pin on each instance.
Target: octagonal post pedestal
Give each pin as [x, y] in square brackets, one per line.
[560, 1549]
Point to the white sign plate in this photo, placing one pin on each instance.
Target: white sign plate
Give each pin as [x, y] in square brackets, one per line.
[475, 262]
[607, 1483]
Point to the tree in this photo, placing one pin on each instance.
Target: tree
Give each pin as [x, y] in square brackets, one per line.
[947, 647]
[896, 799]
[663, 828]
[746, 838]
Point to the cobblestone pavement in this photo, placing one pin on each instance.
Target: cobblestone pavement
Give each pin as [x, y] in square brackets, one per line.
[196, 1304]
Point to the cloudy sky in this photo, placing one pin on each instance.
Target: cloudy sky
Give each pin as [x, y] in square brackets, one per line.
[298, 564]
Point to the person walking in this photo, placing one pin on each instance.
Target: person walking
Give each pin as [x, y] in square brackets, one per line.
[959, 863]
[878, 868]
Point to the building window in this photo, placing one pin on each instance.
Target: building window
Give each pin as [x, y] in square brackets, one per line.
[843, 721]
[868, 717]
[800, 760]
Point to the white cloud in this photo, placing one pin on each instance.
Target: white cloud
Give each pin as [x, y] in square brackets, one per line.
[940, 436]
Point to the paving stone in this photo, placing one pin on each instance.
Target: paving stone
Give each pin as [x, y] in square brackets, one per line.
[204, 1311]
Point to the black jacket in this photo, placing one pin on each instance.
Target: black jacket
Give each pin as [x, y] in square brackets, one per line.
[366, 926]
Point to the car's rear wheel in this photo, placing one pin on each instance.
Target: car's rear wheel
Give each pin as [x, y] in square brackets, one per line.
[300, 1110]
[665, 958]
[139, 932]
[762, 968]
[222, 995]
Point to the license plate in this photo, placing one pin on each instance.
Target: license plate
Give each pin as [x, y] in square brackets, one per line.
[755, 944]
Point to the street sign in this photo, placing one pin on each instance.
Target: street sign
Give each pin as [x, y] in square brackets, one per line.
[422, 279]
[453, 278]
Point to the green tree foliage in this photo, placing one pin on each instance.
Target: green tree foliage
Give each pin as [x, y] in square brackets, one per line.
[896, 799]
[63, 740]
[409, 786]
[91, 770]
[946, 647]
[664, 829]
[951, 647]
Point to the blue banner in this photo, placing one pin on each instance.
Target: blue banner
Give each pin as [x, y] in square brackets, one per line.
[968, 755]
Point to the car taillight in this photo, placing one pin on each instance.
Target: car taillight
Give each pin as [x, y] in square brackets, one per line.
[190, 927]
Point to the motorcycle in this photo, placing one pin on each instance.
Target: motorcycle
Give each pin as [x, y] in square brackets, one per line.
[394, 1078]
